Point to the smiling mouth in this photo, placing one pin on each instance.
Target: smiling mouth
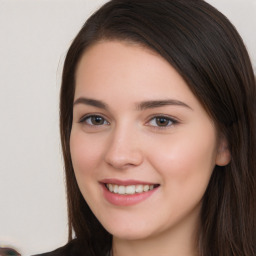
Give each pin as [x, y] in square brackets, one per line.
[130, 189]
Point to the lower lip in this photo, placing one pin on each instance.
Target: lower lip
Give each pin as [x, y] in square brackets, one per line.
[126, 200]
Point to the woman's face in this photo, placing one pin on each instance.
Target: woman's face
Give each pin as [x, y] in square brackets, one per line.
[143, 148]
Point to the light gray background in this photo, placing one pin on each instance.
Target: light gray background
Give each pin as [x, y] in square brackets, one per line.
[34, 37]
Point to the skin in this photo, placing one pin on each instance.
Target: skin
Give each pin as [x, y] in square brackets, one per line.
[128, 142]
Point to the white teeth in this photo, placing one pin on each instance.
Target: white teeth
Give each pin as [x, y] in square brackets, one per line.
[146, 188]
[129, 190]
[110, 187]
[121, 190]
[139, 188]
[115, 188]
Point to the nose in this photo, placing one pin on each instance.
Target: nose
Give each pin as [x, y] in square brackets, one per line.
[124, 149]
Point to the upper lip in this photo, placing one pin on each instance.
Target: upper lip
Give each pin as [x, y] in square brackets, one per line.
[126, 182]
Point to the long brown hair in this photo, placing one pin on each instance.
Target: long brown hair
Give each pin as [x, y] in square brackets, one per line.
[206, 50]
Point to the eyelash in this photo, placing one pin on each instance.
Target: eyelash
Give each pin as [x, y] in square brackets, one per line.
[152, 122]
[89, 117]
[170, 121]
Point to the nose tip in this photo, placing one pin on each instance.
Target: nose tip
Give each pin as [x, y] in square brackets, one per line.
[121, 161]
[122, 154]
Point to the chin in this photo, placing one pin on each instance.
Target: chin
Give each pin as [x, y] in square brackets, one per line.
[133, 235]
[130, 232]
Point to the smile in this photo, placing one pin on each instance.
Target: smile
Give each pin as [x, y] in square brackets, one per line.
[130, 189]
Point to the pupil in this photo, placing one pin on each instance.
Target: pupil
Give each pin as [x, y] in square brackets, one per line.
[97, 120]
[161, 121]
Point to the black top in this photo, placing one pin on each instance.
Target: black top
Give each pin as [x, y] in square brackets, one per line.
[71, 249]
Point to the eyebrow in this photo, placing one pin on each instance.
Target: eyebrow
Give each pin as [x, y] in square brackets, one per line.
[91, 102]
[140, 106]
[160, 103]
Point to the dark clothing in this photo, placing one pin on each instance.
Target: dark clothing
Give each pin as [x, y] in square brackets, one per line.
[71, 249]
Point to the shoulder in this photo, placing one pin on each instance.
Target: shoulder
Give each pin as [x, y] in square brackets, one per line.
[70, 249]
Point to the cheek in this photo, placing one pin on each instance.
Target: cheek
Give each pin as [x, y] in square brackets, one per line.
[85, 153]
[185, 159]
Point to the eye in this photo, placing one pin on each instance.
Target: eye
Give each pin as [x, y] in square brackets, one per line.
[94, 120]
[161, 121]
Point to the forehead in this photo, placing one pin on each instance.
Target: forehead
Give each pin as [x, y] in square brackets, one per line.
[106, 55]
[108, 61]
[119, 72]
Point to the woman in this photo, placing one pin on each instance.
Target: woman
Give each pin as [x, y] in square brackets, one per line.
[157, 120]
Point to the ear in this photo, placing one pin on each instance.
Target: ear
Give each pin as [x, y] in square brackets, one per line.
[223, 156]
